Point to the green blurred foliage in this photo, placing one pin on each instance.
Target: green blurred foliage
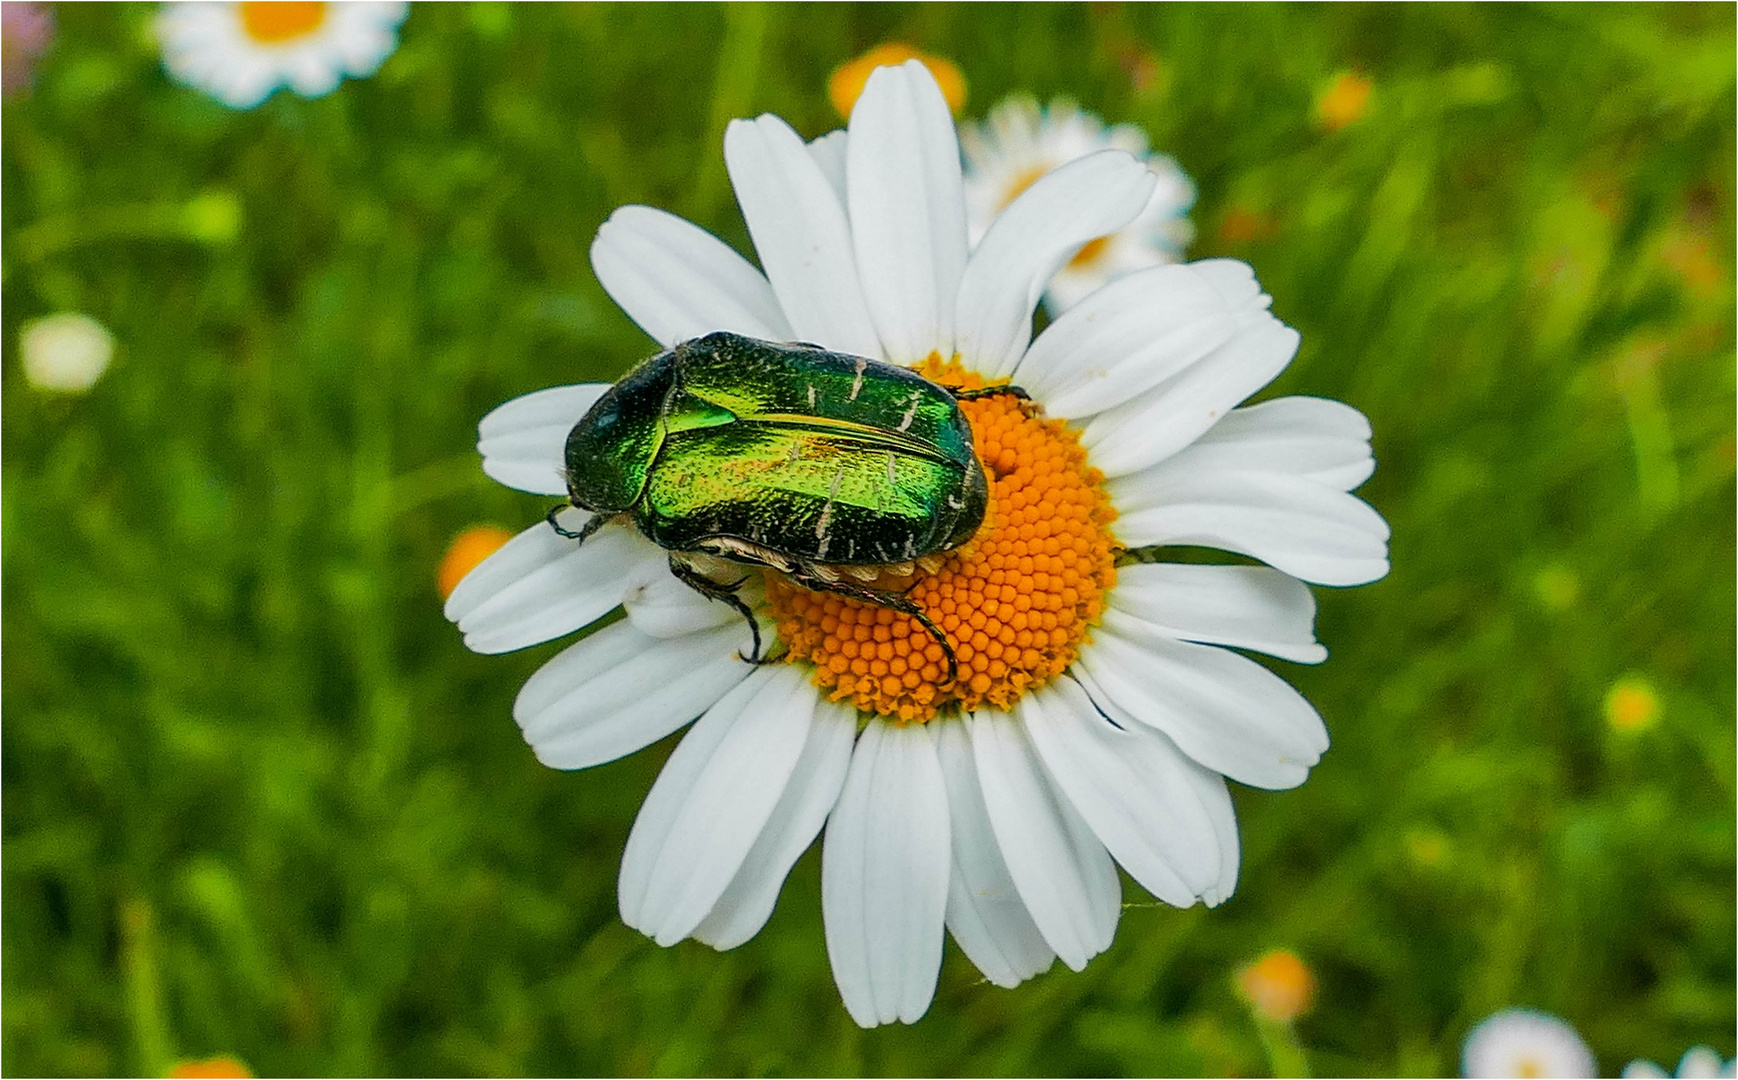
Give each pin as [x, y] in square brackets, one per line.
[258, 799]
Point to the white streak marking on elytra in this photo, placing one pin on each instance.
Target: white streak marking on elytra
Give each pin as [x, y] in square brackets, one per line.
[910, 413]
[857, 383]
[826, 518]
[811, 395]
[890, 477]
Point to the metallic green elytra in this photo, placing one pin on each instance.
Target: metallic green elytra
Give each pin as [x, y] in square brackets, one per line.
[817, 464]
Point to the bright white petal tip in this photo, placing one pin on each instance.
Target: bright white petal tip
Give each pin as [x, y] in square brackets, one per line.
[610, 694]
[1019, 141]
[1150, 806]
[1045, 226]
[1062, 872]
[884, 875]
[524, 442]
[1245, 607]
[984, 911]
[800, 233]
[539, 585]
[678, 281]
[814, 787]
[908, 216]
[1225, 711]
[710, 803]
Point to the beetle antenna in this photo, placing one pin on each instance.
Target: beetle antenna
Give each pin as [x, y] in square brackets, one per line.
[591, 526]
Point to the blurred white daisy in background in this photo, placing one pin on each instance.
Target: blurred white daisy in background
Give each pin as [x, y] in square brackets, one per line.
[1019, 142]
[1099, 708]
[240, 52]
[65, 353]
[1525, 1042]
[1698, 1061]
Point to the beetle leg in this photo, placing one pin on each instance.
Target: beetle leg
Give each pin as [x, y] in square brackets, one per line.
[712, 590]
[899, 602]
[596, 523]
[989, 391]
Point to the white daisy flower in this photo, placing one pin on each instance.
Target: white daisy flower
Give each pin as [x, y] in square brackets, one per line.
[65, 353]
[1525, 1042]
[1702, 1062]
[1019, 142]
[240, 52]
[1096, 713]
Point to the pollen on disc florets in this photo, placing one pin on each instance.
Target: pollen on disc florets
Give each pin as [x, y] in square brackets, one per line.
[1016, 601]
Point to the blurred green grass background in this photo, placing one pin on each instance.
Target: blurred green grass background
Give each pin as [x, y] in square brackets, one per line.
[258, 799]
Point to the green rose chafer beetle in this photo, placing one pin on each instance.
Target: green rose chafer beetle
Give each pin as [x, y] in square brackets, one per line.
[826, 467]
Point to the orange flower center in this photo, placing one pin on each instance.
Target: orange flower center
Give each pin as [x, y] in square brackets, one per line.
[278, 21]
[1016, 601]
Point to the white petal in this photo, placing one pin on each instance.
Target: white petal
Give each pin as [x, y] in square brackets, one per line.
[660, 605]
[1159, 422]
[1029, 241]
[524, 441]
[908, 210]
[884, 869]
[1224, 710]
[540, 586]
[1321, 440]
[1248, 607]
[1064, 875]
[829, 153]
[1643, 1070]
[1216, 797]
[801, 234]
[813, 790]
[618, 690]
[1701, 1062]
[678, 281]
[1309, 530]
[711, 801]
[984, 910]
[1131, 335]
[1145, 801]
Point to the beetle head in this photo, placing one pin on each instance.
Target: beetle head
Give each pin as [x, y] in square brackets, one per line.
[611, 450]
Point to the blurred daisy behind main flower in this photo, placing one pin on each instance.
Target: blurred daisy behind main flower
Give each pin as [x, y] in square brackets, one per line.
[240, 52]
[1099, 708]
[1525, 1042]
[1019, 142]
[1698, 1061]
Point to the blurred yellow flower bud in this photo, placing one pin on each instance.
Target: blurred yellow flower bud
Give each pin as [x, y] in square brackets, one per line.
[209, 1069]
[1557, 587]
[67, 352]
[848, 79]
[1343, 101]
[467, 550]
[1632, 705]
[1278, 985]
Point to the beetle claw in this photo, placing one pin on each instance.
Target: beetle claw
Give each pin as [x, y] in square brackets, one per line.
[595, 523]
[990, 391]
[896, 601]
[713, 590]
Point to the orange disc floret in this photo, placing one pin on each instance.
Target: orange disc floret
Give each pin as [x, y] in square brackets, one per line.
[1016, 601]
